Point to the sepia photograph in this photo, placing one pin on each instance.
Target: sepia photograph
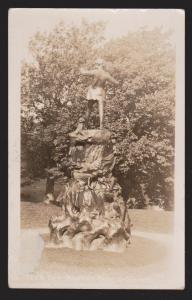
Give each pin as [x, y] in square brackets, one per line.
[96, 148]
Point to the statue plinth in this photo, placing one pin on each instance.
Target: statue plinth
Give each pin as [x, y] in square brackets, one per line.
[94, 215]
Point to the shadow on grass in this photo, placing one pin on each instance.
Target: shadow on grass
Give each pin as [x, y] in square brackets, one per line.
[35, 192]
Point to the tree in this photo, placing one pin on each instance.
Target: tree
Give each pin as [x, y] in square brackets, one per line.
[52, 91]
[139, 111]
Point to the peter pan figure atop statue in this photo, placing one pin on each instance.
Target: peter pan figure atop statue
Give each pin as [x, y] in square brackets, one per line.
[96, 90]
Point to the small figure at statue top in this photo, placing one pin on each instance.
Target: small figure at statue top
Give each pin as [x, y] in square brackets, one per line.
[96, 89]
[80, 125]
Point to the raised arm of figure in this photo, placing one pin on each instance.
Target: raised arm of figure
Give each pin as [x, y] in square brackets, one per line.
[111, 79]
[86, 72]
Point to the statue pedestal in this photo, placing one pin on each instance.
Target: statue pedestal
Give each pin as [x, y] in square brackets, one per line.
[94, 215]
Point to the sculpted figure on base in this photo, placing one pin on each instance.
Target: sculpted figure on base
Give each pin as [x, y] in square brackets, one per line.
[96, 91]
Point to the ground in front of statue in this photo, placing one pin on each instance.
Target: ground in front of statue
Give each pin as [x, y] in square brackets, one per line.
[145, 262]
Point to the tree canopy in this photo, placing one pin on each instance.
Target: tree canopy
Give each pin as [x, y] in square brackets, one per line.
[139, 111]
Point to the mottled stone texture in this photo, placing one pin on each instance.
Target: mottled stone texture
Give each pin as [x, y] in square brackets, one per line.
[94, 215]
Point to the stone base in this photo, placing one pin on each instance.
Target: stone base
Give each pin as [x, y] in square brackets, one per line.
[79, 243]
[89, 230]
[94, 215]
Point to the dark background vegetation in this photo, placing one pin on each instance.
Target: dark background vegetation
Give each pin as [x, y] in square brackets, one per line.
[139, 110]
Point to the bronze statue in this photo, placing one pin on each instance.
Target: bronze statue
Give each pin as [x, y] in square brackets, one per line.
[96, 90]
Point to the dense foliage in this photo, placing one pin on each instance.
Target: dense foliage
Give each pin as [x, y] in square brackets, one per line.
[139, 110]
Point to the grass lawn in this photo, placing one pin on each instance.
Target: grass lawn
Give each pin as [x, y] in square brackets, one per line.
[34, 213]
[144, 263]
